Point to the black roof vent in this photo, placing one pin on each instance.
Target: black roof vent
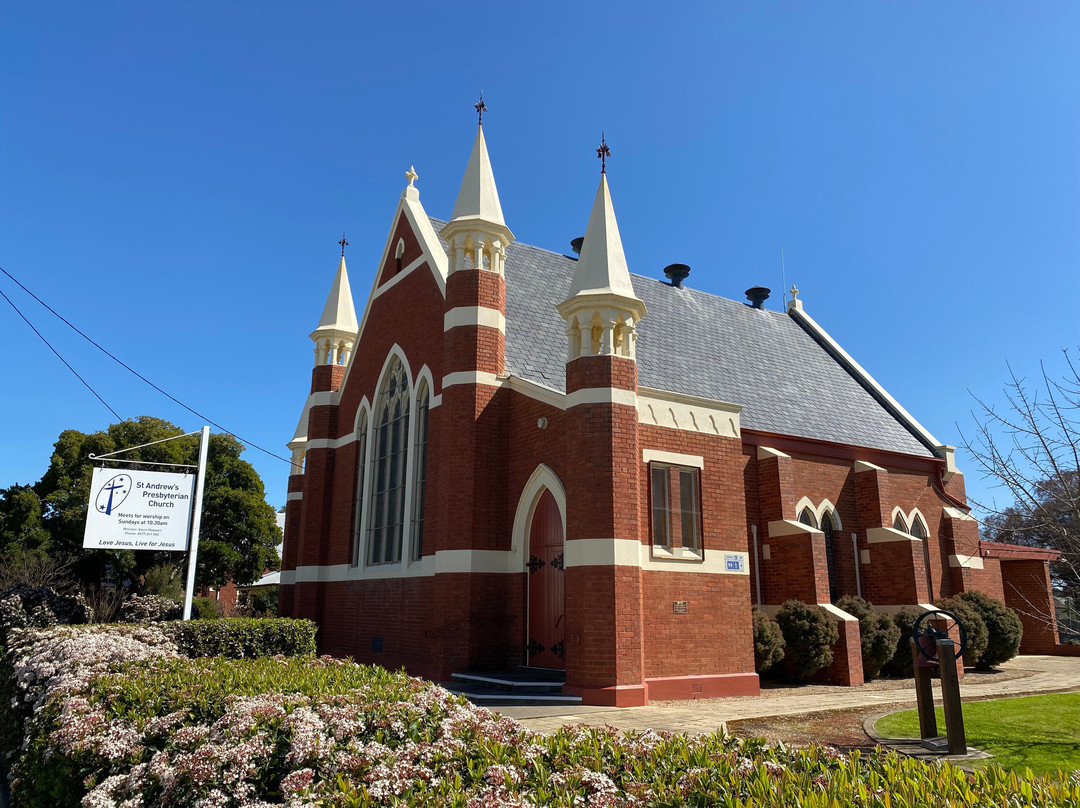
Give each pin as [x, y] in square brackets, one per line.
[575, 244]
[757, 295]
[677, 273]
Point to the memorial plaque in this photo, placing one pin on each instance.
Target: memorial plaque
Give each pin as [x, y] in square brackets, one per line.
[679, 607]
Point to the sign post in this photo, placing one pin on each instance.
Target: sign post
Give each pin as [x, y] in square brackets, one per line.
[196, 521]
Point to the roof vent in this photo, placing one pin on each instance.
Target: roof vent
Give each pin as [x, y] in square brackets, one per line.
[677, 273]
[575, 244]
[757, 295]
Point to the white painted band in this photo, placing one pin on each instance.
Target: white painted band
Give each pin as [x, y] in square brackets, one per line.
[293, 495]
[602, 395]
[474, 315]
[966, 562]
[471, 377]
[956, 513]
[673, 458]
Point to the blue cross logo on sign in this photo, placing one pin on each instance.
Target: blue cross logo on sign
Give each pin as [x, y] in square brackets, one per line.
[733, 562]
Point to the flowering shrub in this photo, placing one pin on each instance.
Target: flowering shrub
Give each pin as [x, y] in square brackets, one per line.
[239, 637]
[39, 606]
[262, 733]
[150, 609]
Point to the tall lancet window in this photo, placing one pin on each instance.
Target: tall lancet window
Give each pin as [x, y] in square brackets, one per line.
[423, 399]
[358, 500]
[391, 450]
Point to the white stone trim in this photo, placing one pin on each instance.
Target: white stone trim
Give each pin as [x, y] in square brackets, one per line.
[883, 535]
[331, 443]
[630, 553]
[294, 495]
[807, 504]
[474, 315]
[537, 391]
[956, 513]
[764, 453]
[902, 414]
[364, 407]
[673, 458]
[471, 377]
[862, 465]
[602, 395]
[966, 562]
[689, 413]
[542, 479]
[789, 527]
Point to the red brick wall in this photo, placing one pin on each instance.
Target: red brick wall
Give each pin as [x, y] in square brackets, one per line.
[1028, 592]
[392, 265]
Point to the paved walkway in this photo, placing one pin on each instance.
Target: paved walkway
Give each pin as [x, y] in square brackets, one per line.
[1035, 674]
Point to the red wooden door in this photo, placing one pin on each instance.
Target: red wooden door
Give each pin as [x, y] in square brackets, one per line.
[546, 600]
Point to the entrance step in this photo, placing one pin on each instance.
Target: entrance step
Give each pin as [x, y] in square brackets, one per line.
[522, 686]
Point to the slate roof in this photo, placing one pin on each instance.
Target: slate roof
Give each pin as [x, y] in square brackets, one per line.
[699, 344]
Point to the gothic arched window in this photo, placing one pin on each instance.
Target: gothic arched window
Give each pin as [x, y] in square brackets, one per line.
[828, 528]
[423, 400]
[358, 499]
[898, 523]
[806, 516]
[389, 458]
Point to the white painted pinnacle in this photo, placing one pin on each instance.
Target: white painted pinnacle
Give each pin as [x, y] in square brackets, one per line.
[339, 314]
[601, 268]
[478, 197]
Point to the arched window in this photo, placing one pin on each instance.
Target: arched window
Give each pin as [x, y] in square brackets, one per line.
[830, 554]
[358, 499]
[423, 399]
[898, 523]
[391, 451]
[806, 516]
[918, 529]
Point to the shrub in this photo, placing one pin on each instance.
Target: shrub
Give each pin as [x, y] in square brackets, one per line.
[39, 607]
[768, 641]
[261, 602]
[238, 637]
[901, 664]
[205, 609]
[164, 580]
[1003, 627]
[877, 631]
[975, 633]
[149, 609]
[809, 634]
[298, 732]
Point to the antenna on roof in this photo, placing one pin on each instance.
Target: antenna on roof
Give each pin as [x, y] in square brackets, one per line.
[783, 275]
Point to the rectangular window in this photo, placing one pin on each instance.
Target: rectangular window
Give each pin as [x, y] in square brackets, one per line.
[673, 530]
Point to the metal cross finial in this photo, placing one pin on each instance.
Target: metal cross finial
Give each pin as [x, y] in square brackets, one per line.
[480, 108]
[411, 176]
[344, 243]
[794, 292]
[603, 152]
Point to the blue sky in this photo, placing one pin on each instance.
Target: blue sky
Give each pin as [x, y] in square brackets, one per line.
[174, 178]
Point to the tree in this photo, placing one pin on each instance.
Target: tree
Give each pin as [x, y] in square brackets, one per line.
[238, 532]
[1031, 447]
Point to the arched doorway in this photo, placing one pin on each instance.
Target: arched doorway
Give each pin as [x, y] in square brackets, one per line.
[547, 602]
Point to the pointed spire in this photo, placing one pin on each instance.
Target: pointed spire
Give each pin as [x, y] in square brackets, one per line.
[478, 197]
[336, 332]
[602, 269]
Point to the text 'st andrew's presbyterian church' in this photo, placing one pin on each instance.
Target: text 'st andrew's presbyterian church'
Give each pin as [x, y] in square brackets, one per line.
[520, 457]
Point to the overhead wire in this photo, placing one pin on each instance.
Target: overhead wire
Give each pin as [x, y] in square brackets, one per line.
[126, 367]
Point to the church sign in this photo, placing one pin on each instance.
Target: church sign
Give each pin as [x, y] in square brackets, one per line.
[138, 510]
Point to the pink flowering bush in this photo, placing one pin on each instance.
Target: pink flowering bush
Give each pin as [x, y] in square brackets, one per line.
[139, 726]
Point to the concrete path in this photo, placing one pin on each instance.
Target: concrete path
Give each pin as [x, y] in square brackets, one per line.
[1034, 674]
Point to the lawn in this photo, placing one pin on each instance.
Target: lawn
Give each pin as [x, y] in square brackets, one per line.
[1040, 732]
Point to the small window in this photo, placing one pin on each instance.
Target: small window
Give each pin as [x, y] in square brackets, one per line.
[899, 524]
[918, 529]
[681, 529]
[358, 499]
[807, 517]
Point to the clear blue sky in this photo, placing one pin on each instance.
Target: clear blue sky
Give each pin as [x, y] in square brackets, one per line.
[174, 178]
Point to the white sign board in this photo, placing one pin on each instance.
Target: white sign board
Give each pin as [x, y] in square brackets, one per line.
[138, 510]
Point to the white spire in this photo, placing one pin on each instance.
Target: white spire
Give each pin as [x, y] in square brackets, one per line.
[336, 332]
[601, 268]
[602, 310]
[478, 197]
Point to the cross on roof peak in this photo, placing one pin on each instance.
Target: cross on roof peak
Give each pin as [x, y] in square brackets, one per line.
[603, 152]
[344, 243]
[480, 108]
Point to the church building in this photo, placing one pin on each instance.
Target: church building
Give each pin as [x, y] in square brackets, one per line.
[523, 458]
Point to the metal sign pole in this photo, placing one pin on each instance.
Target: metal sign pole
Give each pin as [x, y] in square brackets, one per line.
[196, 519]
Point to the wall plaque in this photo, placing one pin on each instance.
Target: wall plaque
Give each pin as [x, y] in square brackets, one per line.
[679, 607]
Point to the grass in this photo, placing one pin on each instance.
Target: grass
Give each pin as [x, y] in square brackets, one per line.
[1037, 732]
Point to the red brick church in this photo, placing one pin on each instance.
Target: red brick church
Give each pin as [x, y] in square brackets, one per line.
[518, 457]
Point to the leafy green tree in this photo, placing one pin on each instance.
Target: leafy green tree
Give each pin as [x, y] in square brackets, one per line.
[238, 531]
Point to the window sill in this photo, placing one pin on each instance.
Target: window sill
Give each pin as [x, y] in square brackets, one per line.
[677, 554]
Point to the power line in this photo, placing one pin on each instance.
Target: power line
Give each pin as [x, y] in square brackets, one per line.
[58, 356]
[130, 369]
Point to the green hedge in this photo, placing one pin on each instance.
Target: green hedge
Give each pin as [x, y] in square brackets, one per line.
[878, 634]
[809, 634]
[240, 637]
[1003, 627]
[975, 634]
[768, 641]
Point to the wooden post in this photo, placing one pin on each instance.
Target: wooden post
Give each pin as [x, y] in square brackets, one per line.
[924, 696]
[950, 697]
